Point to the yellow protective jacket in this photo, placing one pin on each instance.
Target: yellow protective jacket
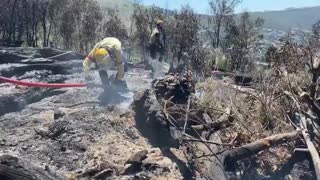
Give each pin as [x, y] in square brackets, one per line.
[113, 46]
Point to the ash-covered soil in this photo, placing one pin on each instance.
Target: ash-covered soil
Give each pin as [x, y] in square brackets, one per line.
[72, 133]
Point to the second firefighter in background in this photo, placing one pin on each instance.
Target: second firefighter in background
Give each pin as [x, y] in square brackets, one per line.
[157, 41]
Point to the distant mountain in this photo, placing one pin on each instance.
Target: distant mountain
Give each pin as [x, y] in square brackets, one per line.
[302, 18]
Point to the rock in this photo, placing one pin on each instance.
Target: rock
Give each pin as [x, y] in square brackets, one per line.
[316, 61]
[56, 129]
[147, 107]
[58, 113]
[131, 133]
[18, 169]
[179, 155]
[138, 157]
[2, 142]
[156, 159]
[156, 168]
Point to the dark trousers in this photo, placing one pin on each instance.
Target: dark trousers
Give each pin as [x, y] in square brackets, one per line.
[104, 77]
[154, 50]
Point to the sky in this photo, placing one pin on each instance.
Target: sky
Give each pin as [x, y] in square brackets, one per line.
[201, 6]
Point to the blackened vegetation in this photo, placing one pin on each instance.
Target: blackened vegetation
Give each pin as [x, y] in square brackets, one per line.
[12, 168]
[50, 66]
[177, 112]
[171, 118]
[17, 102]
[174, 87]
[53, 131]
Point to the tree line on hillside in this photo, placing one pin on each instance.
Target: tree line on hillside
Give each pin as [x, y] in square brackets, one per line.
[225, 39]
[69, 24]
[235, 37]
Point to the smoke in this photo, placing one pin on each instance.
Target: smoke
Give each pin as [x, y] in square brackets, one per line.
[124, 105]
[136, 79]
[159, 68]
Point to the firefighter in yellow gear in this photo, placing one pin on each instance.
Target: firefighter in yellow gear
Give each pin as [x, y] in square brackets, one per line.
[105, 55]
[157, 41]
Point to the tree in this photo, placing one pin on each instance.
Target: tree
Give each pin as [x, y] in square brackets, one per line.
[15, 20]
[70, 23]
[314, 40]
[113, 27]
[78, 24]
[89, 20]
[271, 54]
[43, 10]
[21, 20]
[67, 28]
[185, 32]
[221, 11]
[154, 14]
[242, 39]
[54, 9]
[140, 17]
[35, 22]
[316, 29]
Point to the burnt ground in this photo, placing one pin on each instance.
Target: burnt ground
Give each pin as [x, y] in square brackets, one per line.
[73, 133]
[80, 133]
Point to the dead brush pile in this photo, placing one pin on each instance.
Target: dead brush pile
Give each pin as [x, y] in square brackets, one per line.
[253, 133]
[283, 101]
[256, 115]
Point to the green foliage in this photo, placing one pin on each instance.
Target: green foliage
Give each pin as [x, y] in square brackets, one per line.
[142, 33]
[293, 56]
[184, 33]
[154, 14]
[240, 40]
[71, 24]
[270, 54]
[221, 61]
[221, 10]
[79, 24]
[144, 20]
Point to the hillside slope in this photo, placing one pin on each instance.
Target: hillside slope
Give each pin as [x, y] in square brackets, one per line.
[302, 18]
[124, 6]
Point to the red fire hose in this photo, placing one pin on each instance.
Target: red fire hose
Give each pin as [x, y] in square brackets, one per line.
[44, 85]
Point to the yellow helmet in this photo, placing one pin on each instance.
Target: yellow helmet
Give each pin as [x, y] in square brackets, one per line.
[159, 22]
[101, 52]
